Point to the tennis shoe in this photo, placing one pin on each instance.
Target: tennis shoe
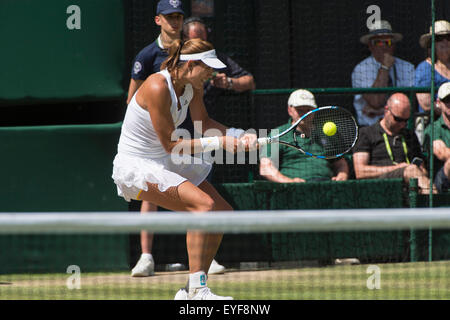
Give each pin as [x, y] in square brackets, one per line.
[182, 294]
[145, 267]
[216, 268]
[205, 294]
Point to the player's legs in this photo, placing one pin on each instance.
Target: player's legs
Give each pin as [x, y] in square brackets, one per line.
[185, 197]
[202, 247]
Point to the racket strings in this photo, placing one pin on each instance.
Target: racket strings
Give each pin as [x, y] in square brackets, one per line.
[329, 146]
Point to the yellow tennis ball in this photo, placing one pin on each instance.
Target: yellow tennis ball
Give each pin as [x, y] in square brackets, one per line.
[329, 128]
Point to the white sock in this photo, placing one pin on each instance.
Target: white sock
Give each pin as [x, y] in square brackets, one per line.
[147, 255]
[197, 280]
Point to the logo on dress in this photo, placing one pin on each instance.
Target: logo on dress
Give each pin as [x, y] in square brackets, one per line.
[175, 3]
[137, 67]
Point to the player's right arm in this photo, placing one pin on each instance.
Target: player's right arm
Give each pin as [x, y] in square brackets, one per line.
[271, 173]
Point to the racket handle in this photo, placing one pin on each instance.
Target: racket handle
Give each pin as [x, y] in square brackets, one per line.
[263, 141]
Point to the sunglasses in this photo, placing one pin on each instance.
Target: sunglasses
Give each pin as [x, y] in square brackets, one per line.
[382, 42]
[442, 37]
[398, 119]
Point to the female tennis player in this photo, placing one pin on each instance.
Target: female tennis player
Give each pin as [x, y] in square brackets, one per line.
[145, 166]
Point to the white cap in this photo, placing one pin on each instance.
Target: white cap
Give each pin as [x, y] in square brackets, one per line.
[444, 91]
[302, 97]
[207, 57]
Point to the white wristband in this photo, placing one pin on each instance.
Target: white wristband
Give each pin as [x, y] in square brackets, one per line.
[233, 132]
[210, 143]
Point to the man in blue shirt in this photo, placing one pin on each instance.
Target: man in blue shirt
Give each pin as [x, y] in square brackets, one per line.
[380, 69]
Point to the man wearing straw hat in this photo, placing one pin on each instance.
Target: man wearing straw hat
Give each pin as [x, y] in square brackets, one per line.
[380, 69]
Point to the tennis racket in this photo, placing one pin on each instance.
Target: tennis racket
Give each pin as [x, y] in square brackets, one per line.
[326, 133]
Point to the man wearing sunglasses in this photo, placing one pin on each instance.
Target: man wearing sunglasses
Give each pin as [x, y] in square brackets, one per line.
[380, 70]
[441, 141]
[387, 149]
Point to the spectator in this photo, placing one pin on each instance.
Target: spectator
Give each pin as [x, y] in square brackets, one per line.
[441, 141]
[233, 77]
[169, 16]
[295, 166]
[379, 70]
[442, 63]
[387, 149]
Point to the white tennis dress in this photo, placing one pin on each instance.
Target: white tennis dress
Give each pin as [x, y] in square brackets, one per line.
[141, 158]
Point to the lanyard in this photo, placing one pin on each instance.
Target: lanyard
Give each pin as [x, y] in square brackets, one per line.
[389, 151]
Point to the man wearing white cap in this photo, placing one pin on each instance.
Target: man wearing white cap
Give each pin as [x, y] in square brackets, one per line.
[379, 70]
[294, 166]
[441, 142]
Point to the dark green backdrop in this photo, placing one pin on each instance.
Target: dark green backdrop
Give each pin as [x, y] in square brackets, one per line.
[43, 60]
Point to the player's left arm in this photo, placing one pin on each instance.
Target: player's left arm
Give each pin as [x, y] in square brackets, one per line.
[341, 170]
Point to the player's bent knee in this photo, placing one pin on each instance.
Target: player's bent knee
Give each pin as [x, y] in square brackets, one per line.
[206, 204]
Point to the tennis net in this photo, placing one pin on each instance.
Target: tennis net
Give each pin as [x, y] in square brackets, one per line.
[268, 255]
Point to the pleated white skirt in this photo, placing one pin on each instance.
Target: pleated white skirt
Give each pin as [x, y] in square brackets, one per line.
[131, 173]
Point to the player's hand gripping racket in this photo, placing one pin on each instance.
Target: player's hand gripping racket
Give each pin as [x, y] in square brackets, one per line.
[326, 132]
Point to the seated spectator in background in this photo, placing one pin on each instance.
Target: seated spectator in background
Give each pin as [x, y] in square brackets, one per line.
[441, 141]
[379, 70]
[387, 149]
[295, 166]
[441, 66]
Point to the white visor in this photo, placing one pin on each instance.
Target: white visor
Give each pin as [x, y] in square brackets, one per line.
[208, 57]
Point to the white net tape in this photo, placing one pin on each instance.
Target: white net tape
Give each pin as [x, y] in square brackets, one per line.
[231, 222]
